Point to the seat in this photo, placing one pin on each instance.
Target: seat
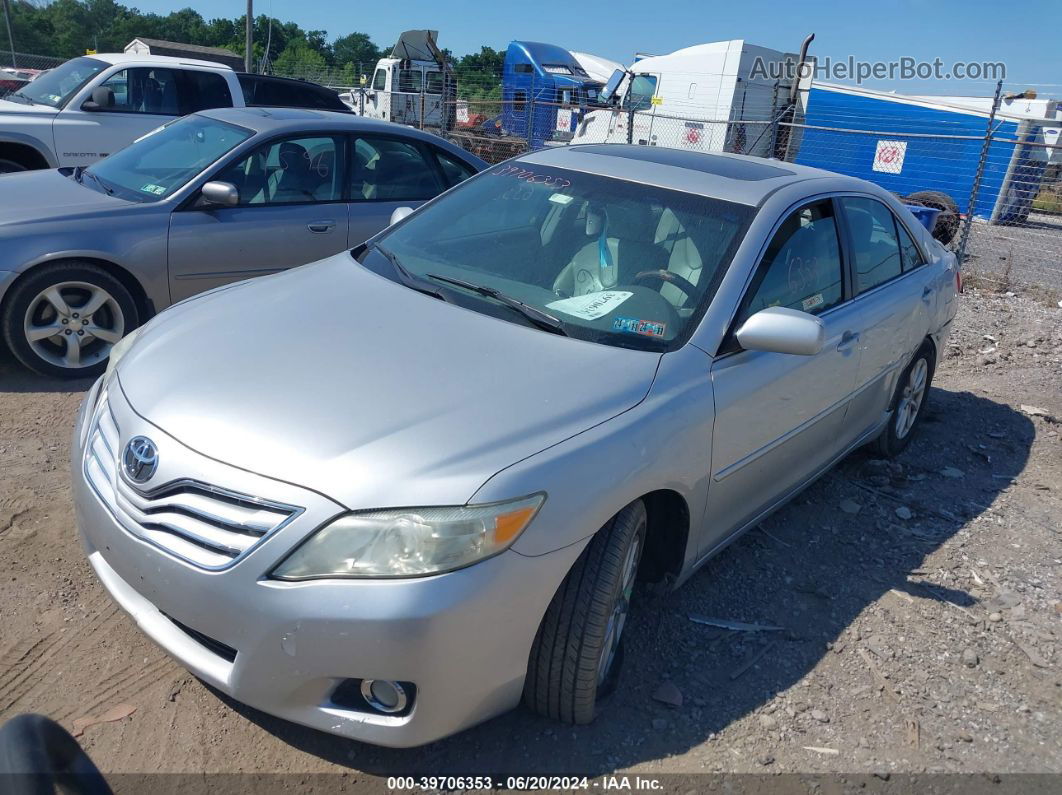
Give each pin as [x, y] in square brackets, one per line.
[621, 245]
[294, 180]
[684, 258]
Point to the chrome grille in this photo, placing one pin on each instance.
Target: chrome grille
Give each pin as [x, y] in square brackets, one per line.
[204, 524]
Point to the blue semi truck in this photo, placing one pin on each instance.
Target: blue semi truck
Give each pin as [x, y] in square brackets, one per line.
[545, 92]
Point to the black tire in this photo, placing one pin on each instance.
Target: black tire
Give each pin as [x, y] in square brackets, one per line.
[899, 432]
[8, 166]
[77, 280]
[567, 674]
[948, 221]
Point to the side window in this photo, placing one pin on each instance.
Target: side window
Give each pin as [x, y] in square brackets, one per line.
[388, 169]
[875, 251]
[909, 252]
[145, 90]
[291, 171]
[204, 90]
[379, 80]
[433, 83]
[409, 80]
[643, 88]
[454, 169]
[802, 266]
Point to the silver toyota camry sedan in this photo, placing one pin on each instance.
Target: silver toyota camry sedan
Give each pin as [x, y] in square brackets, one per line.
[392, 493]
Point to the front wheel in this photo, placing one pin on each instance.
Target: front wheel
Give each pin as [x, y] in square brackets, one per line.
[908, 403]
[63, 319]
[578, 649]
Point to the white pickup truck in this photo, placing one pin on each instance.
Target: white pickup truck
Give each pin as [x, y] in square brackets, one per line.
[88, 107]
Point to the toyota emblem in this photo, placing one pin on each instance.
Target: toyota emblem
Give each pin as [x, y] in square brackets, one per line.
[140, 459]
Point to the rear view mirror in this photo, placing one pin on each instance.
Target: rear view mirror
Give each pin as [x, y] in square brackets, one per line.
[399, 214]
[221, 194]
[781, 330]
[102, 98]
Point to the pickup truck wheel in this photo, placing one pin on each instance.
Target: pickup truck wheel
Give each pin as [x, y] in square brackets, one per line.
[577, 652]
[908, 403]
[62, 319]
[10, 166]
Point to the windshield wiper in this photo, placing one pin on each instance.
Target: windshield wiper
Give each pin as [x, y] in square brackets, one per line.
[84, 170]
[407, 278]
[78, 171]
[541, 319]
[20, 95]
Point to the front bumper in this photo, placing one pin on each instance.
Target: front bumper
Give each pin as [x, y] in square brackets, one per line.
[462, 638]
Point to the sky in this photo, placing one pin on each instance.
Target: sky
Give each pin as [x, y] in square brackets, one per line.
[1025, 35]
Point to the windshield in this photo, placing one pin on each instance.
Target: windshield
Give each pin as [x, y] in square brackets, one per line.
[618, 263]
[55, 87]
[164, 160]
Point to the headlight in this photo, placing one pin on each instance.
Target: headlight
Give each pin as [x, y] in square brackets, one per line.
[119, 350]
[409, 542]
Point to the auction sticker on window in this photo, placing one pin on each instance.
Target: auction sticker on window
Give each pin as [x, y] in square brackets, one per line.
[647, 328]
[592, 305]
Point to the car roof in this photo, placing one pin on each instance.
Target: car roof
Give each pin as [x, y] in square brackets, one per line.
[155, 60]
[283, 120]
[737, 178]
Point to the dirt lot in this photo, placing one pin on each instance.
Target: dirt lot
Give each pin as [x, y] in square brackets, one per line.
[919, 601]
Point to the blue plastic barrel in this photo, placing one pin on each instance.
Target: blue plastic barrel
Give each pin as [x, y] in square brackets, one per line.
[927, 216]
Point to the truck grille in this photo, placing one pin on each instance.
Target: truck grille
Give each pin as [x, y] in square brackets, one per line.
[203, 524]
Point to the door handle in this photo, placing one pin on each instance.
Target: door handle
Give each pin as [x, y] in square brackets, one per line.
[321, 226]
[927, 293]
[848, 339]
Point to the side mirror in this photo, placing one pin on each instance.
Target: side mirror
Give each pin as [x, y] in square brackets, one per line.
[102, 98]
[781, 330]
[608, 93]
[221, 194]
[399, 214]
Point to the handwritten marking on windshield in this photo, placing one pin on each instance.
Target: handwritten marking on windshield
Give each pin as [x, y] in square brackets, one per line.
[549, 180]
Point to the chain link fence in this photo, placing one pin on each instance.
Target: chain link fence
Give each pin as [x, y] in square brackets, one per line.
[17, 69]
[991, 165]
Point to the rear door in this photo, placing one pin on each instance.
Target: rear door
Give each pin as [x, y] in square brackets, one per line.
[896, 297]
[780, 418]
[292, 211]
[388, 172]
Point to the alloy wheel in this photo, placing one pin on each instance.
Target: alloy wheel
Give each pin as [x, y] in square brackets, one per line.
[911, 398]
[618, 618]
[73, 324]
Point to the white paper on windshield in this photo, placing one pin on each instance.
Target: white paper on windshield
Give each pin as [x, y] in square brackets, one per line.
[592, 305]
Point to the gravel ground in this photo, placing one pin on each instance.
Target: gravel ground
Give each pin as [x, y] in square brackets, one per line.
[918, 601]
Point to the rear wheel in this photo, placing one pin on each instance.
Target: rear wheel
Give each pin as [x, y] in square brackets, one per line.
[63, 319]
[578, 650]
[907, 404]
[948, 221]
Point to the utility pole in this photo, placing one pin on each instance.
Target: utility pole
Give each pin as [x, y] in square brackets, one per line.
[10, 38]
[248, 44]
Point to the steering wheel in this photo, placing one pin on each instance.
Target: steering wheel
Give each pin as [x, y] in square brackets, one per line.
[685, 285]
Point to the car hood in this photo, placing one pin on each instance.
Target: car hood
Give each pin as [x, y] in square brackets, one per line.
[339, 380]
[34, 197]
[9, 109]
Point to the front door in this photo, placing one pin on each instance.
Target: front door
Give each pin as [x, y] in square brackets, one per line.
[291, 211]
[144, 98]
[780, 417]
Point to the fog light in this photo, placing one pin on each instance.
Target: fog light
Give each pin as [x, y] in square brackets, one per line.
[384, 696]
